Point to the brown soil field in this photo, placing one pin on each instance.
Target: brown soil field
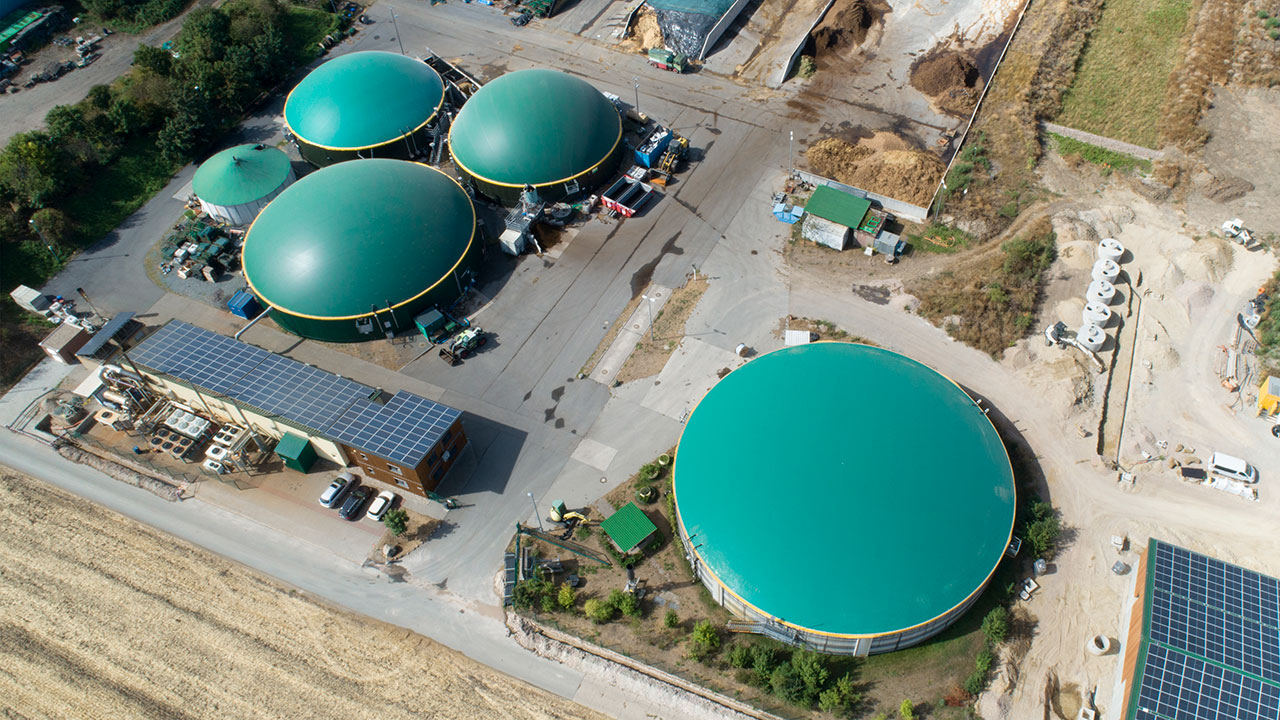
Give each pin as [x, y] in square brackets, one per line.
[103, 617]
[950, 79]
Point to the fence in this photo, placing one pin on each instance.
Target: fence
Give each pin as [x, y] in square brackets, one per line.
[901, 209]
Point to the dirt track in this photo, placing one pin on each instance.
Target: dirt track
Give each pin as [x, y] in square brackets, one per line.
[101, 617]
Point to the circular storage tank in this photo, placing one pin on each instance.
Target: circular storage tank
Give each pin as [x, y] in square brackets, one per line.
[1096, 313]
[1091, 336]
[364, 105]
[1106, 270]
[536, 127]
[1110, 249]
[1100, 291]
[238, 182]
[383, 237]
[801, 509]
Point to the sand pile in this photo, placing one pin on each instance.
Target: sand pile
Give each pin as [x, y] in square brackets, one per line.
[645, 33]
[950, 79]
[907, 175]
[844, 26]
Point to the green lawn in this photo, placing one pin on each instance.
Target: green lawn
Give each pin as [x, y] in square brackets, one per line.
[304, 27]
[118, 189]
[1119, 88]
[1107, 159]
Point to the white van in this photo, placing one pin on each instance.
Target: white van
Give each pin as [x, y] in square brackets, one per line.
[1232, 467]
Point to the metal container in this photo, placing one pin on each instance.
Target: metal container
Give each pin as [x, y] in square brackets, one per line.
[1091, 337]
[1110, 249]
[1100, 291]
[1105, 270]
[1096, 313]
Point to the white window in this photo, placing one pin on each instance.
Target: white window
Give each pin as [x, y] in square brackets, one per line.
[395, 469]
[401, 483]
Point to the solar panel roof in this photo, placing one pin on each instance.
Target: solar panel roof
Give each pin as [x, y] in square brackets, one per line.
[103, 336]
[1212, 643]
[402, 431]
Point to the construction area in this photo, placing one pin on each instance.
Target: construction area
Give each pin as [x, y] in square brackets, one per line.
[816, 360]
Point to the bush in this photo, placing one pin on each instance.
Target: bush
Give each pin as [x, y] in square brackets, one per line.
[975, 683]
[812, 672]
[1042, 528]
[739, 656]
[566, 597]
[598, 610]
[629, 605]
[671, 619]
[531, 593]
[763, 661]
[704, 641]
[396, 520]
[840, 698]
[1027, 257]
[995, 626]
[808, 66]
[906, 710]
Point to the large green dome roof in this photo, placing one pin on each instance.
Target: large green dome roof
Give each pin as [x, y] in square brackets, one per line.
[358, 234]
[242, 174]
[363, 99]
[899, 490]
[534, 127]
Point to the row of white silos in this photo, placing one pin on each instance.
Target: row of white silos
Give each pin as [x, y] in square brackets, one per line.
[1101, 293]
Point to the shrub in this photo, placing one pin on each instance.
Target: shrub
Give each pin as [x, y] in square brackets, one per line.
[812, 672]
[671, 619]
[1275, 34]
[548, 603]
[975, 683]
[1263, 15]
[808, 66]
[996, 625]
[396, 520]
[763, 662]
[739, 656]
[786, 684]
[598, 610]
[1043, 529]
[840, 698]
[531, 593]
[703, 641]
[566, 597]
[983, 661]
[906, 710]
[629, 605]
[1027, 257]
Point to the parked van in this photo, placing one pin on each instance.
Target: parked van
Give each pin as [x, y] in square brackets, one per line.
[1232, 467]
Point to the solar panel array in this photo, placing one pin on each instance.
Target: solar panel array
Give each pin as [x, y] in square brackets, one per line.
[1214, 645]
[403, 431]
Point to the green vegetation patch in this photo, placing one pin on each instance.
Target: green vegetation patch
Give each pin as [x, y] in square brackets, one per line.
[1119, 88]
[1108, 160]
[116, 190]
[939, 238]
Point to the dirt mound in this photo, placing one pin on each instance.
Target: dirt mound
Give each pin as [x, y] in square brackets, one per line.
[844, 26]
[907, 175]
[645, 32]
[1227, 188]
[950, 79]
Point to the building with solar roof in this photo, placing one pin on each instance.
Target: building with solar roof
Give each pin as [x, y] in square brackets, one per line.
[238, 182]
[355, 251]
[536, 128]
[1203, 640]
[365, 105]
[806, 514]
[402, 439]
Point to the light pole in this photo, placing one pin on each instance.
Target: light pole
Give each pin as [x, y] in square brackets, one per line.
[791, 166]
[536, 515]
[635, 81]
[48, 246]
[396, 25]
[650, 304]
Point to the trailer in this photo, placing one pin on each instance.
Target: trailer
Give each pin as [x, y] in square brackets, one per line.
[626, 196]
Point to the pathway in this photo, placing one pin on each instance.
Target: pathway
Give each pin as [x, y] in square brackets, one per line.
[1107, 143]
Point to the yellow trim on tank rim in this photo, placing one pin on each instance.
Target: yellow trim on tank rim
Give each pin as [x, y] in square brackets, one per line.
[284, 115]
[675, 499]
[470, 241]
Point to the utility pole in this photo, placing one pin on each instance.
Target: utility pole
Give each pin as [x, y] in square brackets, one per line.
[791, 165]
[650, 304]
[396, 25]
[536, 515]
[636, 82]
[47, 244]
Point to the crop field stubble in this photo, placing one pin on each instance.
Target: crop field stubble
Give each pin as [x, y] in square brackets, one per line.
[102, 617]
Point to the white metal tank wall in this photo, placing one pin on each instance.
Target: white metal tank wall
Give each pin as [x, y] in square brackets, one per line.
[244, 213]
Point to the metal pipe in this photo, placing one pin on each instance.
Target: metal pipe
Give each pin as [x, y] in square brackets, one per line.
[251, 324]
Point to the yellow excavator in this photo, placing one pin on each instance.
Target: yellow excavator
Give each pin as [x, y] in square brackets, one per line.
[560, 514]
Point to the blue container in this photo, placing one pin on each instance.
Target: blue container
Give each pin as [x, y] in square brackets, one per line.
[650, 151]
[244, 304]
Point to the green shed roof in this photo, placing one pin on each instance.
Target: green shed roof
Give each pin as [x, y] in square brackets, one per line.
[534, 127]
[628, 527]
[241, 174]
[358, 234]
[292, 446]
[837, 206]
[363, 99]
[895, 492]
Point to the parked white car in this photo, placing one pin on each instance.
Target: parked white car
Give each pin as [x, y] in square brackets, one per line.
[380, 505]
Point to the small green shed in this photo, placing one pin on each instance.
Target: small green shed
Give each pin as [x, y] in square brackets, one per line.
[296, 452]
[628, 528]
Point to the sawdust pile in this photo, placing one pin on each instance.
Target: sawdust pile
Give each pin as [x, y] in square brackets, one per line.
[950, 79]
[645, 32]
[907, 175]
[844, 26]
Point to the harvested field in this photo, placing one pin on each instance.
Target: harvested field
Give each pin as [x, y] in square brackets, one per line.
[1120, 87]
[106, 618]
[1205, 62]
[903, 174]
[950, 79]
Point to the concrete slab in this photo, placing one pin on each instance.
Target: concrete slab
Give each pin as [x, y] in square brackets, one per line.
[637, 325]
[596, 454]
[694, 368]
